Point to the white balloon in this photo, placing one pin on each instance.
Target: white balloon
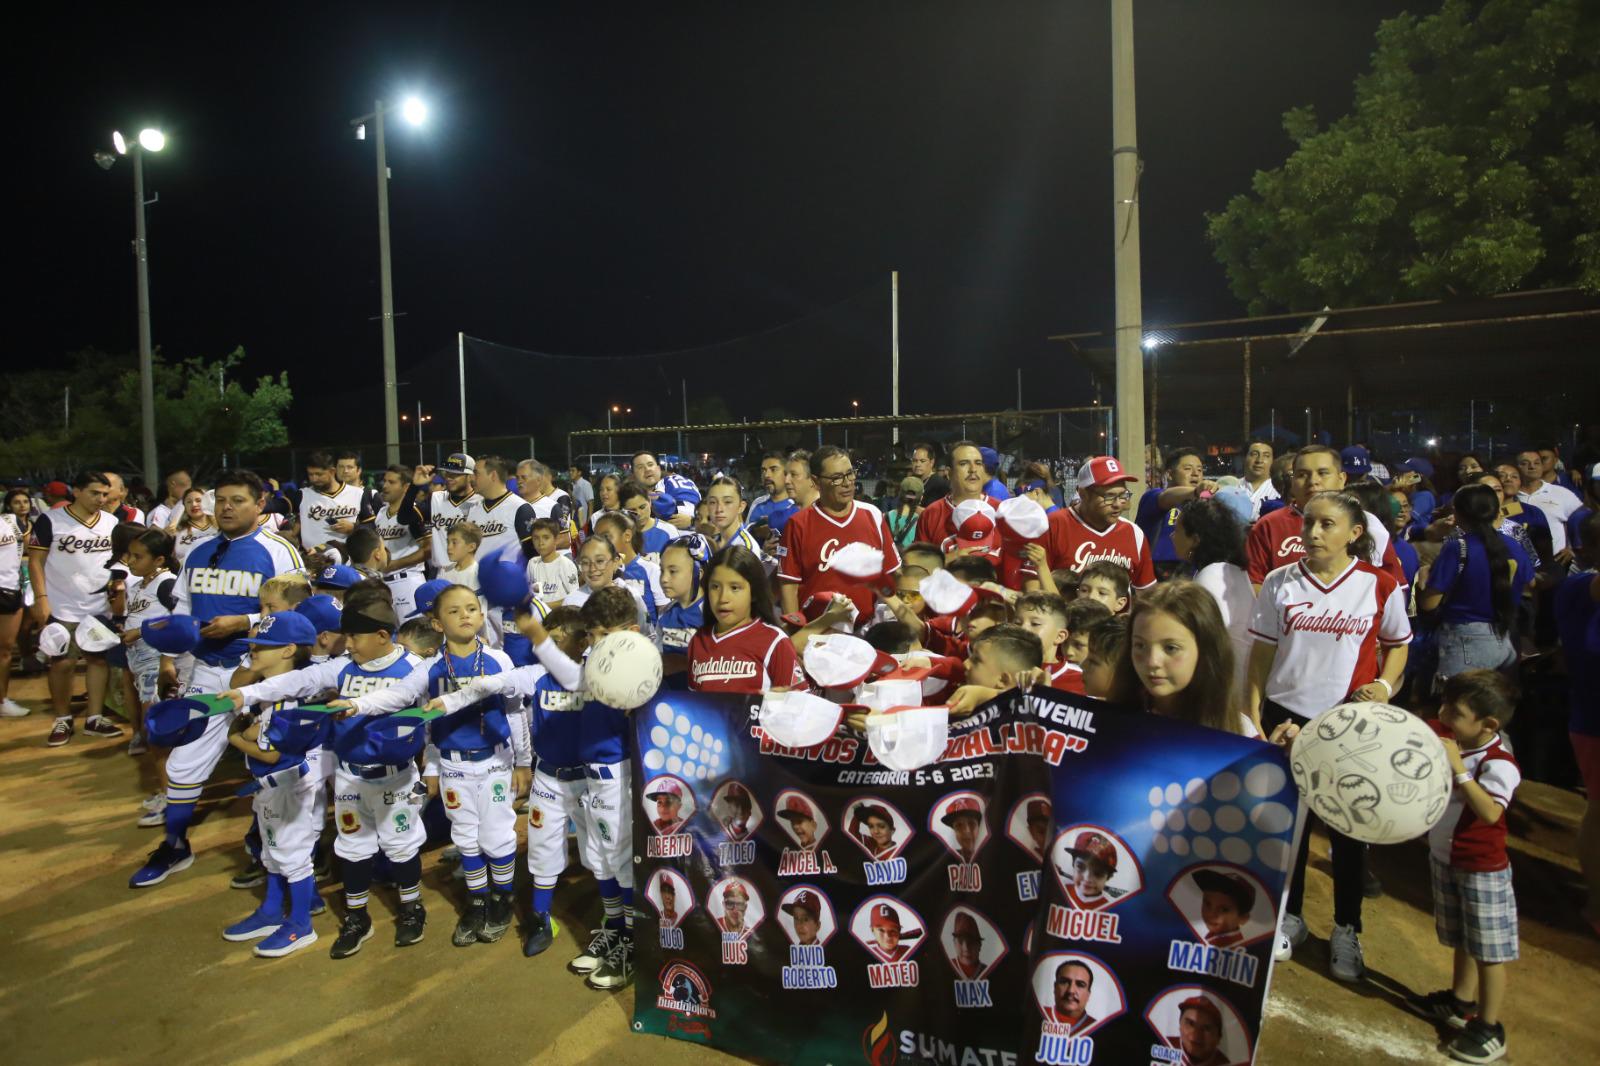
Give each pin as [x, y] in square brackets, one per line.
[1372, 771]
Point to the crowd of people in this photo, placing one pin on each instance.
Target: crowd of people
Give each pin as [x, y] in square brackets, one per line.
[1246, 603]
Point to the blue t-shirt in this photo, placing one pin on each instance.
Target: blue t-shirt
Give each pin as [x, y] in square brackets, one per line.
[480, 725]
[656, 539]
[1409, 563]
[557, 723]
[1575, 523]
[1468, 596]
[1157, 524]
[773, 512]
[222, 576]
[1423, 505]
[1578, 627]
[997, 489]
[350, 740]
[678, 624]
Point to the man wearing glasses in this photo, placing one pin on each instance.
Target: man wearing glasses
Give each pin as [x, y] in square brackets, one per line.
[1093, 528]
[814, 533]
[220, 587]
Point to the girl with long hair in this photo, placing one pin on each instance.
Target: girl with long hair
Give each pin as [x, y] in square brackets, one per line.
[1178, 660]
[1210, 541]
[1476, 584]
[740, 648]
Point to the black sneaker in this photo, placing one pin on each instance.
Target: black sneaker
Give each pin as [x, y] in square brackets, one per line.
[470, 927]
[60, 733]
[497, 917]
[409, 925]
[1371, 887]
[542, 930]
[101, 726]
[1478, 1042]
[1443, 1008]
[355, 930]
[251, 876]
[600, 946]
[617, 971]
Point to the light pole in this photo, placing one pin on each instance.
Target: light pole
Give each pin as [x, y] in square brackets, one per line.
[414, 111]
[610, 445]
[421, 418]
[855, 411]
[149, 140]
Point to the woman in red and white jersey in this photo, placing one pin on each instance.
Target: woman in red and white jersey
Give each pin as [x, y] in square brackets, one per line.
[1329, 628]
[739, 649]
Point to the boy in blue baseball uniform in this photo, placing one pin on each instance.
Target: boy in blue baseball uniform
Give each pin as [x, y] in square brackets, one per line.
[472, 753]
[219, 585]
[377, 799]
[284, 805]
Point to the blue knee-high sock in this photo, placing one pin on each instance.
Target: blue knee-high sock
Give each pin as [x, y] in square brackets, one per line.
[477, 874]
[178, 817]
[543, 898]
[611, 900]
[272, 902]
[300, 893]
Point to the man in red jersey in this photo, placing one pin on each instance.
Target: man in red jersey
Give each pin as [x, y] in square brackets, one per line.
[937, 525]
[1275, 540]
[1093, 528]
[814, 533]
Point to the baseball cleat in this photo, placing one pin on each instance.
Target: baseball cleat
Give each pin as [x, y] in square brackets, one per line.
[60, 733]
[497, 917]
[259, 924]
[318, 904]
[251, 876]
[471, 923]
[10, 708]
[163, 862]
[101, 726]
[286, 940]
[410, 923]
[617, 971]
[156, 801]
[542, 930]
[603, 943]
[355, 930]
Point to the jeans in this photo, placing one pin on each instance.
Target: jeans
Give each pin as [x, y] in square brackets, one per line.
[1473, 646]
[1349, 854]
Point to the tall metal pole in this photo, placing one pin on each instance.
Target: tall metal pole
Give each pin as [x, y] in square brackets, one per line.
[147, 388]
[1245, 437]
[419, 433]
[1019, 389]
[1125, 213]
[894, 349]
[610, 446]
[683, 440]
[461, 374]
[391, 396]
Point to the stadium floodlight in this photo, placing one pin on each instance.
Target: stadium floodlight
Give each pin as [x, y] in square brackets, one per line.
[152, 140]
[118, 143]
[1150, 343]
[1433, 442]
[413, 110]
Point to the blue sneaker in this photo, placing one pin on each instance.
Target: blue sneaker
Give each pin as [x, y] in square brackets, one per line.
[256, 926]
[163, 862]
[286, 940]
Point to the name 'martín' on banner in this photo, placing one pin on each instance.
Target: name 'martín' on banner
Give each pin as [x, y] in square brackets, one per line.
[1070, 883]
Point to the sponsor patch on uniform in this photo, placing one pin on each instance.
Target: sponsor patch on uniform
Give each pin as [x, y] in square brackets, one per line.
[348, 822]
[451, 800]
[535, 817]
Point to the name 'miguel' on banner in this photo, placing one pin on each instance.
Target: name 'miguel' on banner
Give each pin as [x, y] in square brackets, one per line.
[1071, 882]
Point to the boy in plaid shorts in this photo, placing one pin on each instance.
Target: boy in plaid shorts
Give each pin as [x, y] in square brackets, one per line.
[1474, 907]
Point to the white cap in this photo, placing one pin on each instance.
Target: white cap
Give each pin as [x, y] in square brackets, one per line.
[945, 594]
[857, 560]
[1024, 517]
[94, 636]
[799, 719]
[54, 639]
[838, 660]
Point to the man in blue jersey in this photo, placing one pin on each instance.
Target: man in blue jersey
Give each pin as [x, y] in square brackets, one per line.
[674, 495]
[220, 586]
[776, 505]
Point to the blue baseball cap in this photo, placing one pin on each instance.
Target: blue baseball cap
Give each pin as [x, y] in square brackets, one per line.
[338, 576]
[1416, 465]
[175, 634]
[1357, 460]
[458, 463]
[427, 592]
[299, 729]
[991, 459]
[284, 628]
[503, 578]
[322, 611]
[1236, 498]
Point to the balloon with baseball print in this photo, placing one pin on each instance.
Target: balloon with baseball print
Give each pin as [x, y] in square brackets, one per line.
[623, 670]
[1372, 771]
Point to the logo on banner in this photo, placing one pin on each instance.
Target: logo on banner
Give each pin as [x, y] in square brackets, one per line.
[685, 991]
[877, 1043]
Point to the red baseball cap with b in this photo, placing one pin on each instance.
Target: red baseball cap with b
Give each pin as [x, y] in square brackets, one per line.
[1102, 472]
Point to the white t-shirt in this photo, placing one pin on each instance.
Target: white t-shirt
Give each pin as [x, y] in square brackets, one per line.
[162, 513]
[149, 598]
[1557, 502]
[554, 581]
[398, 536]
[1230, 586]
[319, 512]
[1260, 495]
[10, 552]
[1327, 636]
[75, 575]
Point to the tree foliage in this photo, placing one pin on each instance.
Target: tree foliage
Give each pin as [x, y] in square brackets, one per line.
[1470, 165]
[202, 413]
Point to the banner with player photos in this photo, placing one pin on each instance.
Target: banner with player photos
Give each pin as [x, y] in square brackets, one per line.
[1071, 883]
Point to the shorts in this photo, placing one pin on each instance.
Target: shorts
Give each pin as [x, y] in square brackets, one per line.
[1587, 750]
[1477, 910]
[10, 601]
[1473, 646]
[144, 663]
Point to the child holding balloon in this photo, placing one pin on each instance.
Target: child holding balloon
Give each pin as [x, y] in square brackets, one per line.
[1328, 629]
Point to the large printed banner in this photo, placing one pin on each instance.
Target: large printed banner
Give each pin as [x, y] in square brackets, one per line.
[1071, 884]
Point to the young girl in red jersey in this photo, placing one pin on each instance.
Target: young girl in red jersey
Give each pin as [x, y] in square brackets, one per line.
[1329, 627]
[739, 649]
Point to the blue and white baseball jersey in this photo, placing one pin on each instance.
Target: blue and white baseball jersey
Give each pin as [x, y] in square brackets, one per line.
[773, 512]
[678, 624]
[657, 537]
[222, 576]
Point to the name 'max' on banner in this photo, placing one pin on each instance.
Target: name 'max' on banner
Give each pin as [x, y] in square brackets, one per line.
[1071, 883]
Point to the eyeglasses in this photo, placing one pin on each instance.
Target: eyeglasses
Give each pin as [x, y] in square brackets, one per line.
[1116, 497]
[838, 479]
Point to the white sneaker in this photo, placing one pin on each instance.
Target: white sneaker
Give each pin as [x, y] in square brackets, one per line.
[12, 709]
[153, 819]
[1284, 951]
[137, 745]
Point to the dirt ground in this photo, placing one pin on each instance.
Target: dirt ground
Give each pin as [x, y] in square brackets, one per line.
[92, 972]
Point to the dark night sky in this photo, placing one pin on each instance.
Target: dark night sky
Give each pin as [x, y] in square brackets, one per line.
[606, 179]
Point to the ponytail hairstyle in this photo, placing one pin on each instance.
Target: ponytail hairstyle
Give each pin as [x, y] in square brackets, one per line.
[1363, 546]
[1477, 512]
[626, 527]
[1209, 699]
[158, 542]
[698, 577]
[747, 565]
